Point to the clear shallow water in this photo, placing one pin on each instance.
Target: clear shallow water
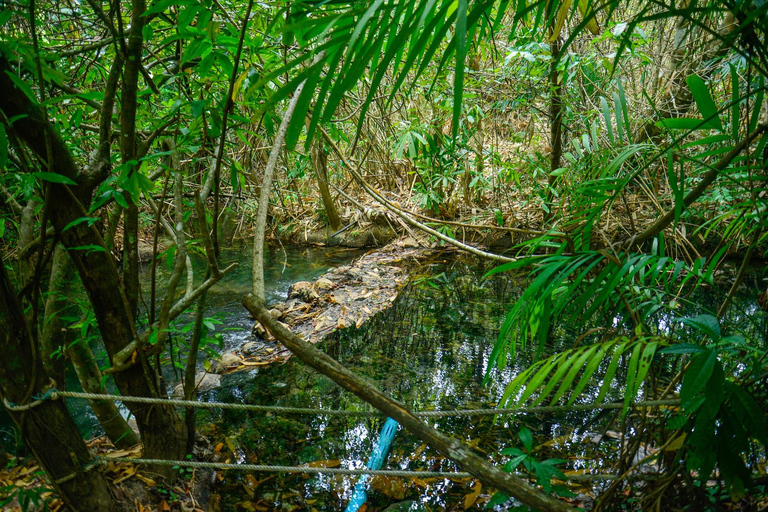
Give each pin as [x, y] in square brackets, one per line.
[431, 351]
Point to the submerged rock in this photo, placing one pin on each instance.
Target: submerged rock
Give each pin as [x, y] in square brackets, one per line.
[324, 284]
[224, 362]
[251, 347]
[204, 381]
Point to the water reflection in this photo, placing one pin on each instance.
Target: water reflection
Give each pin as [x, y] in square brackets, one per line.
[431, 351]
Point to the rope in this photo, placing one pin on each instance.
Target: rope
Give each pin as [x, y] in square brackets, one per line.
[39, 399]
[54, 394]
[288, 469]
[330, 471]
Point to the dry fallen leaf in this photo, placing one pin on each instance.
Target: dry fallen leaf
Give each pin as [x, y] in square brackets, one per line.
[330, 463]
[146, 480]
[128, 471]
[471, 498]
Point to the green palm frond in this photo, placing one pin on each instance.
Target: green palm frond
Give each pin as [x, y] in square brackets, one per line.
[565, 375]
[575, 287]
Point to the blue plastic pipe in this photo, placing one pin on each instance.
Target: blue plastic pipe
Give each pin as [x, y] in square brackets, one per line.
[360, 495]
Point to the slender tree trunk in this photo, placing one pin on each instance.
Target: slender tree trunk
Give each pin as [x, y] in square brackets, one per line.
[115, 427]
[47, 428]
[128, 150]
[320, 163]
[266, 191]
[190, 371]
[53, 339]
[556, 80]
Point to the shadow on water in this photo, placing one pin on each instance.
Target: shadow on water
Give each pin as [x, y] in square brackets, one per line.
[431, 351]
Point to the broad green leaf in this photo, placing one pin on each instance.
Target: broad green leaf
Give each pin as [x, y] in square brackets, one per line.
[630, 390]
[683, 123]
[607, 118]
[696, 377]
[5, 16]
[54, 178]
[682, 348]
[619, 113]
[706, 324]
[526, 438]
[23, 87]
[90, 220]
[646, 359]
[88, 248]
[704, 101]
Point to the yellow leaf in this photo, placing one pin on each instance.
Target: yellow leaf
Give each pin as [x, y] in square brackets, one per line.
[562, 13]
[471, 498]
[586, 12]
[675, 444]
[128, 472]
[238, 85]
[146, 480]
[330, 463]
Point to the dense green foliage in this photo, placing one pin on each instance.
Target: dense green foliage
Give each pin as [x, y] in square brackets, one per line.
[620, 146]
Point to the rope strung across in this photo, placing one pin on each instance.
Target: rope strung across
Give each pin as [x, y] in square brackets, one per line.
[55, 394]
[318, 470]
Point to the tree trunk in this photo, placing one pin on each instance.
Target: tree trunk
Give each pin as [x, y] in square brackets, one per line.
[52, 339]
[266, 191]
[47, 428]
[131, 256]
[162, 431]
[320, 163]
[115, 427]
[556, 121]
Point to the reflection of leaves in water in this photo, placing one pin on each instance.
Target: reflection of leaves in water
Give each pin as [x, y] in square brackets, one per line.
[430, 350]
